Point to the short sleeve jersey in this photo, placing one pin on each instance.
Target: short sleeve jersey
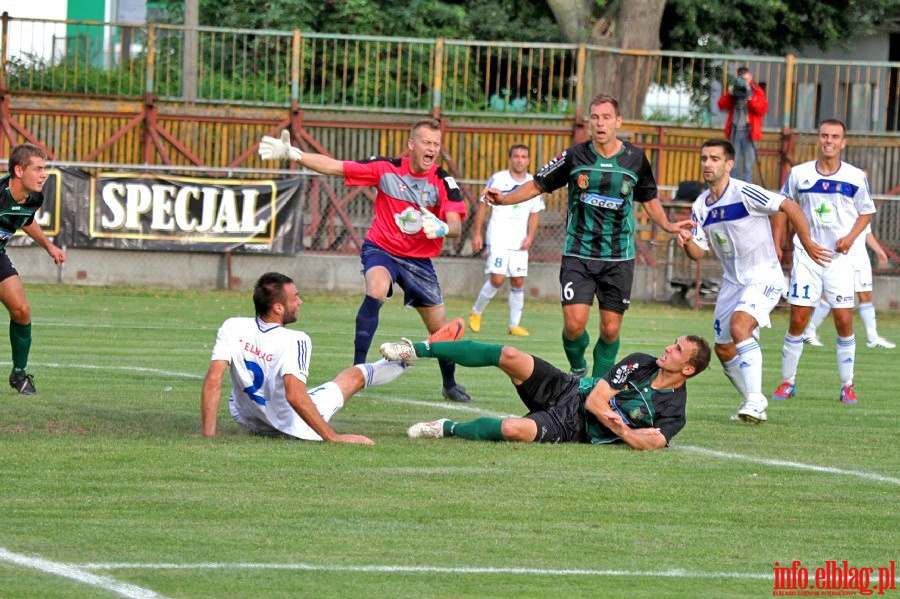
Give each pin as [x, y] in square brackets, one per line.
[831, 203]
[397, 227]
[637, 402]
[14, 216]
[600, 221]
[260, 355]
[738, 228]
[508, 225]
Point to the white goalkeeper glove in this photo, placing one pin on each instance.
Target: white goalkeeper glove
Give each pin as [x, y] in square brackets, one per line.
[433, 226]
[271, 148]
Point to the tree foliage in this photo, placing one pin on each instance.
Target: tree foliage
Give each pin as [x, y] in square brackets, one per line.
[770, 26]
[469, 19]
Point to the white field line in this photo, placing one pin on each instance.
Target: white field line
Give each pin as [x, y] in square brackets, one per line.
[77, 574]
[786, 464]
[673, 573]
[185, 375]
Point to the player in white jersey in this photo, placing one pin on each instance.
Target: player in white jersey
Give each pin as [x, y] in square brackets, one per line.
[863, 285]
[732, 216]
[510, 233]
[269, 368]
[835, 198]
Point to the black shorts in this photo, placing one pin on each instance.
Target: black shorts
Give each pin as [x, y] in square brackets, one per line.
[552, 399]
[7, 269]
[581, 280]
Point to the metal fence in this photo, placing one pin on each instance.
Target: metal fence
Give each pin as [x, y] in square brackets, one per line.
[507, 80]
[490, 96]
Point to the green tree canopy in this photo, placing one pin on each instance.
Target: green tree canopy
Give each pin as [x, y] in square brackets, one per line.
[770, 26]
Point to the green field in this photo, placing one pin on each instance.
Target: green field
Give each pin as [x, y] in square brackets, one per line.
[108, 490]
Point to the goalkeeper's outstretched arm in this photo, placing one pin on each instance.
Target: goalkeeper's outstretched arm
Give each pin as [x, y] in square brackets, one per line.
[274, 148]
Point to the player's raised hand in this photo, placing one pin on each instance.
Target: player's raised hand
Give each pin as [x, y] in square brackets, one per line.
[433, 226]
[272, 148]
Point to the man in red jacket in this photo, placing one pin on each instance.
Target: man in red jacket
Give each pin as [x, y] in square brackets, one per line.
[746, 104]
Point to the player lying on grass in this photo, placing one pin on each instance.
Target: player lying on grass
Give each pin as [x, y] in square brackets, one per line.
[641, 400]
[269, 367]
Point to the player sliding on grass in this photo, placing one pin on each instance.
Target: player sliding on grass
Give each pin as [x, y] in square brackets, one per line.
[640, 401]
[270, 364]
[417, 204]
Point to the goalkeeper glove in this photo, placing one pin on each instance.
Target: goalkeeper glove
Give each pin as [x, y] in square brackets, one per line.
[433, 226]
[271, 148]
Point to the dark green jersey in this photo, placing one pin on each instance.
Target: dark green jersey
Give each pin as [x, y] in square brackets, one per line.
[14, 216]
[637, 402]
[600, 223]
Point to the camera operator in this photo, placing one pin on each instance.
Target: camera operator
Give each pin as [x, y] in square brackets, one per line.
[746, 104]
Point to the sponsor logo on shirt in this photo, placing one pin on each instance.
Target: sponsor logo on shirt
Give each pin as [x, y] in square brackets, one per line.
[623, 372]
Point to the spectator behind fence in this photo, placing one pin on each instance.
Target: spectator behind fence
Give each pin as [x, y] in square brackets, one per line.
[746, 104]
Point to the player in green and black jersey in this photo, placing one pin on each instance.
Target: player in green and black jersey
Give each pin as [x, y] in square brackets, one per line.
[605, 176]
[20, 199]
[641, 401]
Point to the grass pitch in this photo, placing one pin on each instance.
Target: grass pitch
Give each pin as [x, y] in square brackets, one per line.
[108, 489]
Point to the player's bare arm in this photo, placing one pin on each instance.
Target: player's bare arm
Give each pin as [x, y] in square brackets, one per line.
[454, 224]
[654, 210]
[820, 255]
[686, 240]
[478, 226]
[210, 396]
[35, 232]
[296, 395]
[526, 191]
[533, 220]
[597, 403]
[843, 244]
[873, 243]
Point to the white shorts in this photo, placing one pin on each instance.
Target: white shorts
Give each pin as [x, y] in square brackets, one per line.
[810, 282]
[509, 263]
[328, 399]
[756, 300]
[862, 272]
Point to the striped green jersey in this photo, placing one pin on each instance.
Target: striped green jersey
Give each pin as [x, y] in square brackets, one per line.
[14, 216]
[600, 221]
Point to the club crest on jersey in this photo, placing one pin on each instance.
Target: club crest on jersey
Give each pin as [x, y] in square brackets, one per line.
[638, 413]
[626, 188]
[622, 372]
[583, 181]
[409, 221]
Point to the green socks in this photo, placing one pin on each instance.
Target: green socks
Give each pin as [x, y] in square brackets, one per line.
[575, 348]
[465, 353]
[604, 357]
[481, 429]
[20, 340]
